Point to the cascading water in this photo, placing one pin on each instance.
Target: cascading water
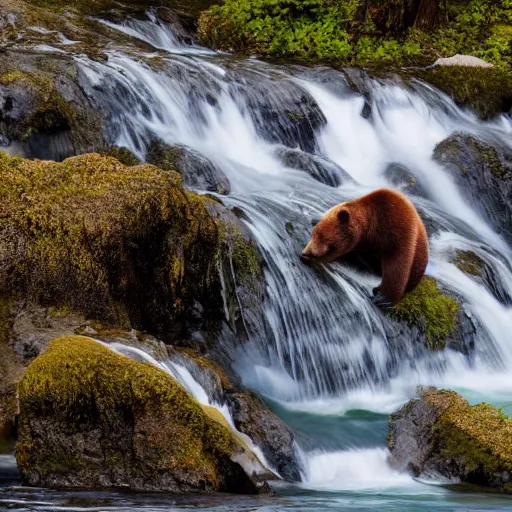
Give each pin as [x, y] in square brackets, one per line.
[274, 132]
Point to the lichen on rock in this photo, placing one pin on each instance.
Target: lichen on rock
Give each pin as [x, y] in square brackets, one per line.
[93, 418]
[439, 435]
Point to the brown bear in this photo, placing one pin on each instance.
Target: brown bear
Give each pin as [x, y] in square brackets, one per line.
[384, 225]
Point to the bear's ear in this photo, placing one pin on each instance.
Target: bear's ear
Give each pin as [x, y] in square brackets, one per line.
[343, 216]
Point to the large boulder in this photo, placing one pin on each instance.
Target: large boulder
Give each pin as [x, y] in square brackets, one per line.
[484, 175]
[124, 245]
[439, 436]
[92, 418]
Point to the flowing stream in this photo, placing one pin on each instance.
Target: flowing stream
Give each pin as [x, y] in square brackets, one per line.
[292, 142]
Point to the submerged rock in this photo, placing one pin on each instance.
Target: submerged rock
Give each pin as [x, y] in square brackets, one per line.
[483, 174]
[399, 176]
[439, 436]
[92, 418]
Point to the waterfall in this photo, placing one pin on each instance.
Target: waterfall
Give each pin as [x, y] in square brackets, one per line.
[293, 142]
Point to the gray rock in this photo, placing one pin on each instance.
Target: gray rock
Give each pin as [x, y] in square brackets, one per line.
[483, 174]
[197, 171]
[320, 169]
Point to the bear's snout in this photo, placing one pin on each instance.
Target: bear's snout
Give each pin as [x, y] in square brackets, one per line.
[307, 257]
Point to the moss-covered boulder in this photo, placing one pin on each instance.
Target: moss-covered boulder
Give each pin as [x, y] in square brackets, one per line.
[438, 435]
[431, 311]
[92, 418]
[123, 245]
[484, 175]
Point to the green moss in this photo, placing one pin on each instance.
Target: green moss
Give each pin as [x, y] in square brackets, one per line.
[165, 156]
[477, 437]
[469, 262]
[124, 155]
[78, 383]
[429, 309]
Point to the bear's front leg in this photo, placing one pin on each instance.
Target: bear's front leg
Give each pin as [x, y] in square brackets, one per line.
[395, 274]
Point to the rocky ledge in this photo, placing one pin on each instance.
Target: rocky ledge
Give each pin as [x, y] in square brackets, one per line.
[439, 436]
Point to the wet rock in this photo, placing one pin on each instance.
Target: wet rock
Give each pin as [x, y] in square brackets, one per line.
[92, 418]
[250, 415]
[402, 178]
[282, 112]
[488, 92]
[483, 174]
[45, 110]
[472, 264]
[322, 170]
[197, 171]
[438, 435]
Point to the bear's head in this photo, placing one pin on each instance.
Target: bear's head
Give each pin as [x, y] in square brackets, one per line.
[333, 236]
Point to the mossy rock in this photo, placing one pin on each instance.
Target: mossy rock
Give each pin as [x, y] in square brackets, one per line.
[439, 435]
[46, 111]
[434, 312]
[486, 91]
[469, 263]
[92, 418]
[124, 245]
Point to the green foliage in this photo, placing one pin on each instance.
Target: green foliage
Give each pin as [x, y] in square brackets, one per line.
[358, 32]
[429, 309]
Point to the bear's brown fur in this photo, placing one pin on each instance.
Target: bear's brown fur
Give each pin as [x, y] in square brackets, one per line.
[383, 224]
